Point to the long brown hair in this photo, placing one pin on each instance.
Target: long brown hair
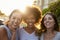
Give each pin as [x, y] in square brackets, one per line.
[56, 27]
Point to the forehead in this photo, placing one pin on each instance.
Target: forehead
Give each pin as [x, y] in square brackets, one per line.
[17, 14]
[48, 15]
[29, 15]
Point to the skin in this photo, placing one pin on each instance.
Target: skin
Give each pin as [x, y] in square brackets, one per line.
[49, 24]
[13, 24]
[14, 21]
[30, 20]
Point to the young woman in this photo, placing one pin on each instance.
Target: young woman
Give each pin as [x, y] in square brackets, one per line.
[8, 31]
[33, 15]
[50, 27]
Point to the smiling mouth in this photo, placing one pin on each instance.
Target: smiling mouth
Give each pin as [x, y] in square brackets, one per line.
[15, 24]
[30, 23]
[47, 24]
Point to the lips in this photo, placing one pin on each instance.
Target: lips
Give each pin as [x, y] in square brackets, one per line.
[47, 23]
[15, 24]
[30, 23]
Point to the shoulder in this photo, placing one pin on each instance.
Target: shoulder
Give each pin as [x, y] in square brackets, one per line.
[42, 34]
[3, 33]
[2, 30]
[2, 26]
[58, 34]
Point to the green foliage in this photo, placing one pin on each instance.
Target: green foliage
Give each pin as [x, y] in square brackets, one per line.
[55, 8]
[45, 10]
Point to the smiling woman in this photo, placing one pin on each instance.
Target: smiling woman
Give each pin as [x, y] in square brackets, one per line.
[50, 26]
[8, 31]
[7, 6]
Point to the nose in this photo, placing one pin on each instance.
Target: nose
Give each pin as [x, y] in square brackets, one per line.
[15, 20]
[47, 20]
[30, 20]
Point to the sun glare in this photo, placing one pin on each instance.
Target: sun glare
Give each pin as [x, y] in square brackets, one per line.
[7, 6]
[38, 26]
[25, 3]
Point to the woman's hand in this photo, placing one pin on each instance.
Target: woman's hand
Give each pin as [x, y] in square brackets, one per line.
[13, 37]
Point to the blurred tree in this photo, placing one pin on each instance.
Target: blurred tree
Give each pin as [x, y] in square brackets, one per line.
[55, 8]
[45, 10]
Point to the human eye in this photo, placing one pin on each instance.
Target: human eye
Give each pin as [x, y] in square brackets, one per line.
[50, 18]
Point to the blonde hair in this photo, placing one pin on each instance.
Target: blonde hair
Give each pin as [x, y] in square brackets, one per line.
[16, 10]
[6, 22]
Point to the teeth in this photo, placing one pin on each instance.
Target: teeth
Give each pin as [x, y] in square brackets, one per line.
[47, 24]
[30, 23]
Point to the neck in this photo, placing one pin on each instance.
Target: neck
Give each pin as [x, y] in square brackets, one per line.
[10, 27]
[29, 29]
[49, 31]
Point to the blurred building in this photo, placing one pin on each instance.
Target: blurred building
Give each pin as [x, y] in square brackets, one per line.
[3, 17]
[43, 3]
[1, 22]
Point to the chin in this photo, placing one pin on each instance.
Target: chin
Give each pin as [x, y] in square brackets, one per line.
[48, 27]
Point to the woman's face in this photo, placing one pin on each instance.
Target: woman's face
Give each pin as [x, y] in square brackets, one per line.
[49, 21]
[15, 19]
[30, 20]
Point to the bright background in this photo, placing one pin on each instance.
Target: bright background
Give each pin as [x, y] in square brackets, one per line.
[7, 6]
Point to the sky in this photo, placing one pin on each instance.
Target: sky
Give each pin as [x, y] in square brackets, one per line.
[7, 6]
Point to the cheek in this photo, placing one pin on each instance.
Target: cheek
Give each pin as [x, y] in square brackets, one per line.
[34, 21]
[52, 22]
[11, 21]
[44, 22]
[19, 22]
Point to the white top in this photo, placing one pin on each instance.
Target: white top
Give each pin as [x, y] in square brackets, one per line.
[57, 36]
[26, 36]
